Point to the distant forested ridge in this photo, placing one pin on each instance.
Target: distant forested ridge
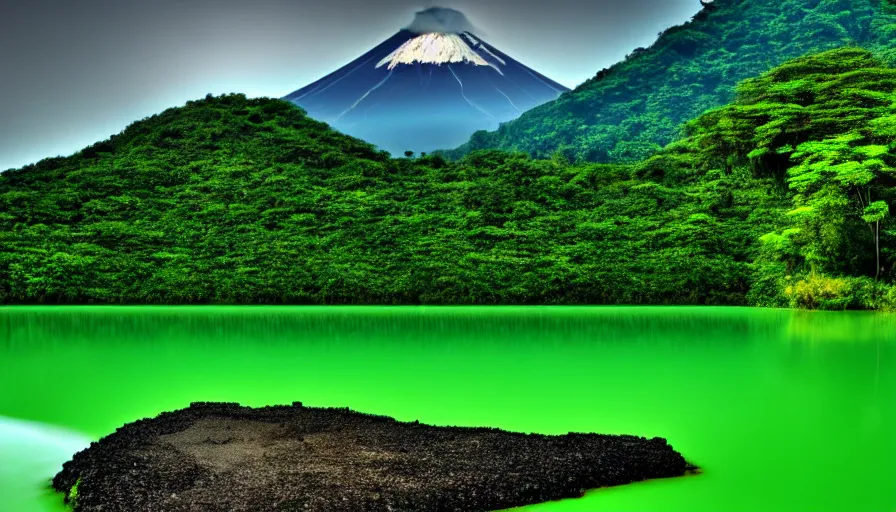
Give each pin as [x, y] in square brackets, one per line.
[629, 111]
[782, 198]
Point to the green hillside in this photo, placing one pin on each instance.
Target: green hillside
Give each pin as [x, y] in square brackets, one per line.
[629, 111]
[780, 198]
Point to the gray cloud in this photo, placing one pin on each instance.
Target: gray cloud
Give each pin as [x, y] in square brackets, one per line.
[442, 20]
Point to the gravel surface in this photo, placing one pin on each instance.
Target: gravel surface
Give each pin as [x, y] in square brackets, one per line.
[224, 457]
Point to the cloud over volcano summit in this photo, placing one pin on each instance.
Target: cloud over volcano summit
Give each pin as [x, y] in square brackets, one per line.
[441, 20]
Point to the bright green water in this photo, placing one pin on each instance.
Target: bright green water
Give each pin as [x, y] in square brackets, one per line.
[785, 411]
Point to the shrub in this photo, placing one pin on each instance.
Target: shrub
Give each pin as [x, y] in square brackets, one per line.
[818, 291]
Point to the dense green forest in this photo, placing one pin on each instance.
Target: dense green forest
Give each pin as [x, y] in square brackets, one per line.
[627, 112]
[781, 198]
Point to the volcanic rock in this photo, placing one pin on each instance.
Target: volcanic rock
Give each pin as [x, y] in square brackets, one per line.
[224, 457]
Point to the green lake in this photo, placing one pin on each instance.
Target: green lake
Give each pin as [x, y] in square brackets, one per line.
[783, 410]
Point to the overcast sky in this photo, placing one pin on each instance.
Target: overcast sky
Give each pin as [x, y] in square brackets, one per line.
[73, 72]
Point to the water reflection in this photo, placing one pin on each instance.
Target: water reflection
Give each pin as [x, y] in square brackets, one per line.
[256, 325]
[841, 327]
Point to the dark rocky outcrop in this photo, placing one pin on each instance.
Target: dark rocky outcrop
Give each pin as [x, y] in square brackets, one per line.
[224, 457]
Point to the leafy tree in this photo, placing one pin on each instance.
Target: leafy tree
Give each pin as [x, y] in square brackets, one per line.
[834, 172]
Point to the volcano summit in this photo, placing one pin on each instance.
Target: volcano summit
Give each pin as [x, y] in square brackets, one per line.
[430, 86]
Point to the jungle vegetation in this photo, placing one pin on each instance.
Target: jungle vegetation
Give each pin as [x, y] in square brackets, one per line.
[629, 111]
[784, 197]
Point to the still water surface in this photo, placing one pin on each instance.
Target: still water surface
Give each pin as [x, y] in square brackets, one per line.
[784, 410]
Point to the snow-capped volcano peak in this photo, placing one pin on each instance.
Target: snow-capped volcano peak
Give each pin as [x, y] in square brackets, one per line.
[434, 48]
[429, 86]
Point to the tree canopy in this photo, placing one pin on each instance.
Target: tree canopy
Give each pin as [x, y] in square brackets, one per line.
[782, 198]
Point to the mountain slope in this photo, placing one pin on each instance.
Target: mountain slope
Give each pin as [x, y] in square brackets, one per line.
[230, 200]
[628, 111]
[421, 91]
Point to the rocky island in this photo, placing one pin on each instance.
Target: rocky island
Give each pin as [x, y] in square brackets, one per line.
[223, 456]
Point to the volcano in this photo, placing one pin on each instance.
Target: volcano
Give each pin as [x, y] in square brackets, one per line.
[430, 86]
